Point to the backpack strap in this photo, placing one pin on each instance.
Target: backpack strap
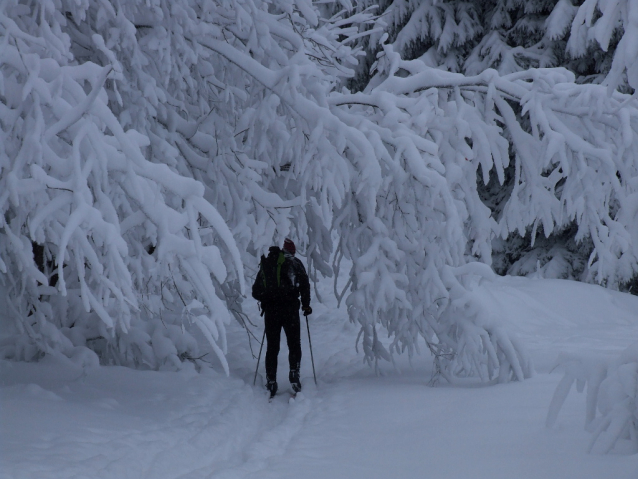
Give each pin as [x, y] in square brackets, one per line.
[281, 259]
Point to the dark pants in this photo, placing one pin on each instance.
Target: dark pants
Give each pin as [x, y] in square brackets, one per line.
[288, 319]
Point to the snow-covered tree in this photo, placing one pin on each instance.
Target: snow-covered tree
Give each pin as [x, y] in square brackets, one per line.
[220, 101]
[152, 150]
[469, 37]
[98, 233]
[567, 168]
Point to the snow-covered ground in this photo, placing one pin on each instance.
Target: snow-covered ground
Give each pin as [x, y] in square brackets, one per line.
[61, 421]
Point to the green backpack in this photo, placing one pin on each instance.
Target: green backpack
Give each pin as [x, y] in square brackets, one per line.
[273, 271]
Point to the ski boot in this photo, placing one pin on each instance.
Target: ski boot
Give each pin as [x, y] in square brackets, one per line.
[294, 380]
[271, 385]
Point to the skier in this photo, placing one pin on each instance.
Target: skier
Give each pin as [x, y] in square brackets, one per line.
[282, 278]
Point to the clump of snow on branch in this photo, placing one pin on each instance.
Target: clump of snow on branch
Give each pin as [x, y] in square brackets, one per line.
[612, 398]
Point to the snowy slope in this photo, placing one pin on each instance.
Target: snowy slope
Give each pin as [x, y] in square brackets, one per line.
[554, 315]
[59, 421]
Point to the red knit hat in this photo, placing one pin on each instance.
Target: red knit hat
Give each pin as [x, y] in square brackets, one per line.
[289, 246]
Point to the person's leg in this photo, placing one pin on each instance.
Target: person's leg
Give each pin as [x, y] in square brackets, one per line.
[273, 336]
[292, 329]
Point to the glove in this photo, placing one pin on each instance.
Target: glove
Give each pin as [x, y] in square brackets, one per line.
[307, 310]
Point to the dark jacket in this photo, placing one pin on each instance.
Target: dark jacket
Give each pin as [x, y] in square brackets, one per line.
[282, 290]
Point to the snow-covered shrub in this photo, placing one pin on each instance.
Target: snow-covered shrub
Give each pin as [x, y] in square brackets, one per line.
[612, 398]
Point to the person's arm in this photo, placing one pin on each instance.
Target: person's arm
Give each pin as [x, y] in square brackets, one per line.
[258, 286]
[304, 284]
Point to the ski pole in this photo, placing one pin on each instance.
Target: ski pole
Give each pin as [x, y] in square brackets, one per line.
[259, 357]
[310, 344]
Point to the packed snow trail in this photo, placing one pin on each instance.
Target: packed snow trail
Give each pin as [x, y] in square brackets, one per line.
[118, 423]
[59, 421]
[396, 426]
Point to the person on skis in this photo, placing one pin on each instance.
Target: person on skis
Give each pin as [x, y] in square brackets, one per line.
[281, 280]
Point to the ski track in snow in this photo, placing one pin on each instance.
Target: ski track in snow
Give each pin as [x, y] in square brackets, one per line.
[217, 429]
[58, 421]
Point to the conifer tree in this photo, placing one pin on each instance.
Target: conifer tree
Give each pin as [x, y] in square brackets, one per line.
[510, 36]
